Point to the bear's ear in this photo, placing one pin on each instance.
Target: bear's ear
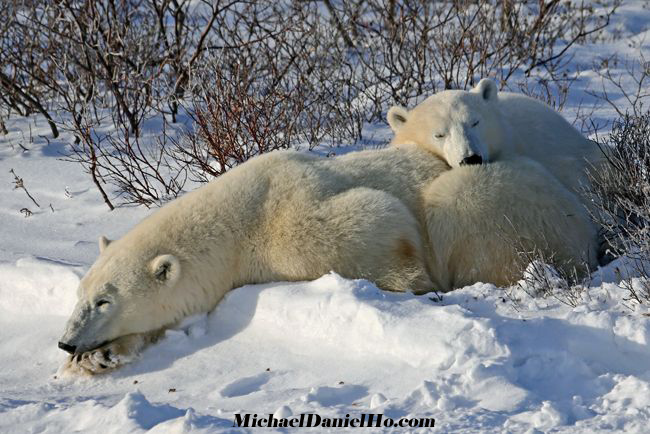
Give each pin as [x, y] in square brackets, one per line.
[103, 243]
[397, 117]
[487, 89]
[166, 268]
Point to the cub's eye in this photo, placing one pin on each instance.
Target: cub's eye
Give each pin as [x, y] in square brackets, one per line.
[101, 303]
[475, 124]
[439, 136]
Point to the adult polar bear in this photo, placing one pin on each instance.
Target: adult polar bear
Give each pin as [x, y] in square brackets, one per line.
[292, 216]
[484, 125]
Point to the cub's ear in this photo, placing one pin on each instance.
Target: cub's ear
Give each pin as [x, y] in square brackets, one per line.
[397, 117]
[487, 89]
[166, 269]
[103, 243]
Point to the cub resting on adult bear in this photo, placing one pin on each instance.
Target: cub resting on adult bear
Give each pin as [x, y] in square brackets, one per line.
[485, 125]
[398, 217]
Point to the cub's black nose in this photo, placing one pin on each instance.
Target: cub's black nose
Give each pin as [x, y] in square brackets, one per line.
[472, 159]
[68, 348]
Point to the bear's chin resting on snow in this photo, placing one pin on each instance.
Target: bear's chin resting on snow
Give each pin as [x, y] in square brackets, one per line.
[398, 217]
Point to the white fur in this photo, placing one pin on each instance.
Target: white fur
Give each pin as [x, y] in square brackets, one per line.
[455, 124]
[480, 218]
[398, 217]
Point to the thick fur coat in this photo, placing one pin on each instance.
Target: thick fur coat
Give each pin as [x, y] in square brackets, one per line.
[398, 217]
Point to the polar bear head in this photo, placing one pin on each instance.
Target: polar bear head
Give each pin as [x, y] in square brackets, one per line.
[126, 291]
[462, 127]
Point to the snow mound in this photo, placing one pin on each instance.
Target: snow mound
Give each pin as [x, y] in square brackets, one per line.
[37, 287]
[473, 360]
[357, 320]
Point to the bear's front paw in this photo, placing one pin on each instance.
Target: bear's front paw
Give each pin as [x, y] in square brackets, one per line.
[92, 362]
[114, 354]
[99, 360]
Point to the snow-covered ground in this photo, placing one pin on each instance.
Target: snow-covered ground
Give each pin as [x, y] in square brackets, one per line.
[475, 360]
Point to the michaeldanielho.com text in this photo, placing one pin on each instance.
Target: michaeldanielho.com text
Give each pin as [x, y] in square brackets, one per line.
[311, 420]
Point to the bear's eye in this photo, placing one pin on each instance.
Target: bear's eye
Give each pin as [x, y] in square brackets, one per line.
[439, 136]
[101, 303]
[475, 124]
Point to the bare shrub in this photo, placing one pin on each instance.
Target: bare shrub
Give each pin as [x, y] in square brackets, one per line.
[235, 120]
[274, 81]
[553, 92]
[633, 85]
[315, 71]
[621, 192]
[416, 47]
[141, 173]
[27, 74]
[109, 65]
[545, 276]
[112, 47]
[185, 31]
[292, 48]
[130, 56]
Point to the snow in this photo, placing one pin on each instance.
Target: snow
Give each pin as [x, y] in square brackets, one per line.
[335, 347]
[479, 359]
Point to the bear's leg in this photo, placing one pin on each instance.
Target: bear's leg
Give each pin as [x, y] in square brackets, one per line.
[377, 238]
[112, 355]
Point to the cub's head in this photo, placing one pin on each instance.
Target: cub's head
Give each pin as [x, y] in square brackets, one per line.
[126, 291]
[462, 127]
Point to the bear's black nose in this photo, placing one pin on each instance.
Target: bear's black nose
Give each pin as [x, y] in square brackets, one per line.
[68, 348]
[472, 159]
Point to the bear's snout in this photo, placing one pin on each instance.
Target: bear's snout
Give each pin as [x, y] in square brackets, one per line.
[472, 159]
[67, 348]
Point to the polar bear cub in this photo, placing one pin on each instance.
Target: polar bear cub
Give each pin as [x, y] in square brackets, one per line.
[480, 218]
[485, 125]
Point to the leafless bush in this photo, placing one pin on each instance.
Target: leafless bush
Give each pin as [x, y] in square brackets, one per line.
[131, 56]
[274, 81]
[109, 65]
[185, 30]
[547, 277]
[314, 71]
[141, 173]
[416, 47]
[546, 274]
[235, 120]
[26, 71]
[621, 192]
[633, 85]
[553, 92]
